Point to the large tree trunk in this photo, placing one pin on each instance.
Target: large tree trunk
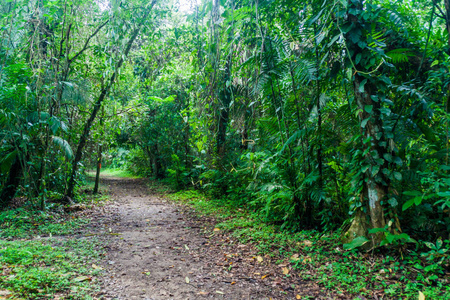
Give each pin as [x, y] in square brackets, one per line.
[377, 184]
[368, 94]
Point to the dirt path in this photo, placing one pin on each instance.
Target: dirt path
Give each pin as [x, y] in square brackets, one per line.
[155, 252]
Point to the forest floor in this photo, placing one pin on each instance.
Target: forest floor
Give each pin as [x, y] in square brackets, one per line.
[157, 249]
[139, 240]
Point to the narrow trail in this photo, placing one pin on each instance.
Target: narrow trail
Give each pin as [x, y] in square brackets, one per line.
[155, 251]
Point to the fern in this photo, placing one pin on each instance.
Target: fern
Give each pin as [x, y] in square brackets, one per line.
[400, 55]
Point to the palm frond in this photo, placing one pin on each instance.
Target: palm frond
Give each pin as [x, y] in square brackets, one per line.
[64, 145]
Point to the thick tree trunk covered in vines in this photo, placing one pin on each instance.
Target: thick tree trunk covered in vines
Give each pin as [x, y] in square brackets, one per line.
[375, 182]
[98, 103]
[376, 190]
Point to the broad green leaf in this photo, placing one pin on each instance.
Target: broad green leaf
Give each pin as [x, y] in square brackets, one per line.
[361, 86]
[355, 243]
[64, 145]
[408, 204]
[376, 230]
[368, 108]
[364, 122]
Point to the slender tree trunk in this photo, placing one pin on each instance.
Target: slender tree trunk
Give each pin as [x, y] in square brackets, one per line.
[87, 127]
[99, 166]
[447, 105]
[187, 148]
[156, 163]
[319, 119]
[225, 96]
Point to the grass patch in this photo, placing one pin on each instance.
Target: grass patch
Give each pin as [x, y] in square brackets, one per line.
[39, 259]
[320, 257]
[113, 173]
[50, 268]
[24, 223]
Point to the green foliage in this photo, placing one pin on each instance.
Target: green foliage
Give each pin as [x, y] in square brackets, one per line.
[24, 223]
[318, 256]
[303, 114]
[43, 269]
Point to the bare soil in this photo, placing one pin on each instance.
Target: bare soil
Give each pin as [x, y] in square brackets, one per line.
[159, 250]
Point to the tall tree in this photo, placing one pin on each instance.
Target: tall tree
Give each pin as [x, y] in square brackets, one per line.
[104, 92]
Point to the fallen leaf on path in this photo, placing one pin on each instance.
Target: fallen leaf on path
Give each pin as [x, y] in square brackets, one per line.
[94, 266]
[298, 297]
[203, 293]
[216, 229]
[82, 278]
[5, 294]
[234, 282]
[285, 271]
[306, 243]
[187, 279]
[264, 276]
[220, 292]
[259, 259]
[295, 257]
[421, 296]
[307, 259]
[277, 282]
[186, 247]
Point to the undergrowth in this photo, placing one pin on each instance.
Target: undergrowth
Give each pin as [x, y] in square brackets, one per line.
[51, 268]
[24, 223]
[396, 273]
[41, 259]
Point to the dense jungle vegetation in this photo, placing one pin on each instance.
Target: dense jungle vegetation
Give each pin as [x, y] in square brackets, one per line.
[328, 115]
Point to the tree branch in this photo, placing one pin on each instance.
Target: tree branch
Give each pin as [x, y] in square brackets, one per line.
[87, 42]
[87, 127]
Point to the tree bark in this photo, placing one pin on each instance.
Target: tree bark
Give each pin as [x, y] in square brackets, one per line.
[99, 166]
[367, 89]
